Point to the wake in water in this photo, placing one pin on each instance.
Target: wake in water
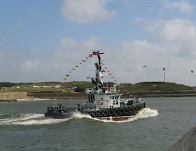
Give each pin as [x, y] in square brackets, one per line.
[144, 113]
[29, 119]
[39, 119]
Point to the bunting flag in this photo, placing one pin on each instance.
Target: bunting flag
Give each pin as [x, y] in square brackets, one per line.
[81, 62]
[95, 53]
[109, 73]
[106, 71]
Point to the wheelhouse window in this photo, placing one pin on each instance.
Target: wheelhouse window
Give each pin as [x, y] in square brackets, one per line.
[112, 97]
[117, 97]
[91, 98]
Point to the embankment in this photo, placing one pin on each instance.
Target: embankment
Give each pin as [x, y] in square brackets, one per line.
[182, 93]
[139, 94]
[57, 96]
[12, 96]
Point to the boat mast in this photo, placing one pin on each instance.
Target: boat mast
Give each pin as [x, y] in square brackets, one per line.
[98, 81]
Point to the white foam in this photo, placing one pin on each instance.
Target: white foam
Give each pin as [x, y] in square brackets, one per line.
[40, 122]
[39, 119]
[30, 119]
[147, 112]
[78, 115]
[144, 113]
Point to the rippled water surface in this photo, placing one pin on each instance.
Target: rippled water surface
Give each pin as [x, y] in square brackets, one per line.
[23, 127]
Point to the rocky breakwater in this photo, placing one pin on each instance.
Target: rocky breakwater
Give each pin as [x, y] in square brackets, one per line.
[12, 96]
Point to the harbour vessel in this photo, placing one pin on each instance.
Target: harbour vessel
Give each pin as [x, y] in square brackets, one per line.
[103, 102]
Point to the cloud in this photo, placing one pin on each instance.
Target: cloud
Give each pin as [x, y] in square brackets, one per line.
[30, 65]
[125, 62]
[86, 11]
[178, 34]
[128, 63]
[181, 5]
[176, 29]
[172, 47]
[69, 45]
[69, 42]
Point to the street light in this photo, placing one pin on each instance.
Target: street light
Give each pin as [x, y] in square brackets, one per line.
[164, 74]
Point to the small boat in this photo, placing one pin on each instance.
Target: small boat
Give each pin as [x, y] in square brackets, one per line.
[59, 112]
[104, 102]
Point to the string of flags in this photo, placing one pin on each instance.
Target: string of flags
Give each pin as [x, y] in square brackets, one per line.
[86, 59]
[75, 67]
[109, 73]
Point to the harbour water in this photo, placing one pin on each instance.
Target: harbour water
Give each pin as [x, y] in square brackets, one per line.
[23, 127]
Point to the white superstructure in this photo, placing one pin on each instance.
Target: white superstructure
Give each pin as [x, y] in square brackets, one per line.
[100, 96]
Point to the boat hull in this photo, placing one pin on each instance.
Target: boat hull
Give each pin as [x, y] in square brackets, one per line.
[115, 119]
[58, 115]
[115, 112]
[59, 112]
[121, 113]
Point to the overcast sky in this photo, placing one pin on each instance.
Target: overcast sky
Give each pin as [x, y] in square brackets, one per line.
[43, 40]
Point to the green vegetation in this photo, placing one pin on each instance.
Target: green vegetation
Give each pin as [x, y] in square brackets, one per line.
[153, 87]
[6, 84]
[80, 86]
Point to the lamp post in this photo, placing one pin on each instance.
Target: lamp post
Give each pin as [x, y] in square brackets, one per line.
[164, 74]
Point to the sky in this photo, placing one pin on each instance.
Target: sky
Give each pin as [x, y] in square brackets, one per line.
[45, 40]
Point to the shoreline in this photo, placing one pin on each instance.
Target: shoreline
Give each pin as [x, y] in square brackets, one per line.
[23, 100]
[83, 96]
[32, 99]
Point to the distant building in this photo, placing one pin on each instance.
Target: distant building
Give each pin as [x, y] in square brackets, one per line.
[57, 86]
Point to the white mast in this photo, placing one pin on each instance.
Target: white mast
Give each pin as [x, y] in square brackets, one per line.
[98, 80]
